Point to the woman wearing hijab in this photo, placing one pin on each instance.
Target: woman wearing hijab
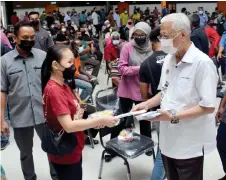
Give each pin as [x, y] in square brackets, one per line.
[132, 55]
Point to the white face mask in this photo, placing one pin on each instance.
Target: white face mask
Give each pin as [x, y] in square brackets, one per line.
[80, 49]
[200, 12]
[63, 30]
[125, 12]
[167, 46]
[115, 42]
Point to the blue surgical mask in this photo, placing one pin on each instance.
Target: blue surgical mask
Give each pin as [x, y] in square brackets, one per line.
[80, 49]
[115, 42]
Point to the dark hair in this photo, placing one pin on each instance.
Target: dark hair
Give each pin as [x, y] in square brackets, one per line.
[20, 25]
[73, 48]
[14, 13]
[183, 10]
[32, 13]
[54, 53]
[154, 35]
[195, 20]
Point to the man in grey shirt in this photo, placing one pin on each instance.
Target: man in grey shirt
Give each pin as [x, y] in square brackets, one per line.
[42, 38]
[21, 84]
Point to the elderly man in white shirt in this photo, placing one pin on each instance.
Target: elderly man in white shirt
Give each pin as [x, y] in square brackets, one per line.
[187, 97]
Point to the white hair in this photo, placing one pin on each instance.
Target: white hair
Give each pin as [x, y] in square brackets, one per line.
[115, 34]
[179, 22]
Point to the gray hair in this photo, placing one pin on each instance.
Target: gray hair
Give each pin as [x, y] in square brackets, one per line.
[115, 34]
[179, 22]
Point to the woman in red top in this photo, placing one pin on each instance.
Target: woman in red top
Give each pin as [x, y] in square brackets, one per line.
[63, 110]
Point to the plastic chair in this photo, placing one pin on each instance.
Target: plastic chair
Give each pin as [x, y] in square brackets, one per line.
[124, 150]
[107, 99]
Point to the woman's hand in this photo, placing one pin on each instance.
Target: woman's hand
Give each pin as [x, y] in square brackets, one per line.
[109, 121]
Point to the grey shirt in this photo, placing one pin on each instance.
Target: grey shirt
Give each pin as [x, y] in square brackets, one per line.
[21, 80]
[43, 40]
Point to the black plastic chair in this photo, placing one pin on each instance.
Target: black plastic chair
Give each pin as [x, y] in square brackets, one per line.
[125, 150]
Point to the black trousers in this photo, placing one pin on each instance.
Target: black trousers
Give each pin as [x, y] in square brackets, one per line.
[221, 144]
[126, 105]
[185, 169]
[69, 171]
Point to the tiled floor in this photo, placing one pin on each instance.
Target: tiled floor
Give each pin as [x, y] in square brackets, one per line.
[141, 167]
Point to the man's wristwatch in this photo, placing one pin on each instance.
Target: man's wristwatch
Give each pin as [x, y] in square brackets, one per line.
[174, 119]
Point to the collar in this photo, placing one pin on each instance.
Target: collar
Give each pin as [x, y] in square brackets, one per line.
[17, 55]
[189, 55]
[195, 29]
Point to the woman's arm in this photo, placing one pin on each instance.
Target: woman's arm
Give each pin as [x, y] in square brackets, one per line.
[123, 64]
[80, 125]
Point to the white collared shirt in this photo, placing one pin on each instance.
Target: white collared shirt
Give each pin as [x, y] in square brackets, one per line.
[191, 82]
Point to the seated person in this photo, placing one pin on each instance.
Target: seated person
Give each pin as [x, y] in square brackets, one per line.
[70, 29]
[84, 52]
[62, 37]
[82, 78]
[111, 50]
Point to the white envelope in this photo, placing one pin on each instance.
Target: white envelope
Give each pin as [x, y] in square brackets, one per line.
[147, 116]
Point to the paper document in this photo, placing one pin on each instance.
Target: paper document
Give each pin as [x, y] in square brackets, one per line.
[148, 115]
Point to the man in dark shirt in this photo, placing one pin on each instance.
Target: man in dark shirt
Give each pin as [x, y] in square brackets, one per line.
[198, 35]
[150, 69]
[150, 73]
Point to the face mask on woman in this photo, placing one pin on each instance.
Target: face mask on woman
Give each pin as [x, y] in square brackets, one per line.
[63, 30]
[68, 73]
[140, 40]
[115, 42]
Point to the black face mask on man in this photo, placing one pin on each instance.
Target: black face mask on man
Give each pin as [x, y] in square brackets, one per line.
[35, 23]
[26, 45]
[140, 40]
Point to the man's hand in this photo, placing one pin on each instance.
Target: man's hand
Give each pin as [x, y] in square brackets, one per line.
[141, 106]
[4, 128]
[164, 116]
[219, 56]
[219, 114]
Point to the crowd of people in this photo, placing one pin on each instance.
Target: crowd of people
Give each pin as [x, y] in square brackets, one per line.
[156, 60]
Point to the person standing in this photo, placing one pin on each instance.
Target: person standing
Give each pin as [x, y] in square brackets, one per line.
[150, 73]
[21, 84]
[14, 19]
[95, 18]
[26, 18]
[136, 16]
[111, 19]
[213, 38]
[42, 38]
[43, 17]
[67, 17]
[221, 144]
[186, 105]
[132, 55]
[124, 17]
[116, 17]
[198, 35]
[63, 110]
[221, 57]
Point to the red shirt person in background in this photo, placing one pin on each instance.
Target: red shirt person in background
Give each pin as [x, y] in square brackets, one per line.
[111, 50]
[62, 109]
[14, 19]
[213, 38]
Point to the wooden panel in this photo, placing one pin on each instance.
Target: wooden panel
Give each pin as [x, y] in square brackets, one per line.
[221, 6]
[51, 7]
[122, 6]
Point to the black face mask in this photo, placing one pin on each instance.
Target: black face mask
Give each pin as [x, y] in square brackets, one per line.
[69, 24]
[35, 23]
[80, 37]
[130, 23]
[26, 45]
[140, 41]
[68, 73]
